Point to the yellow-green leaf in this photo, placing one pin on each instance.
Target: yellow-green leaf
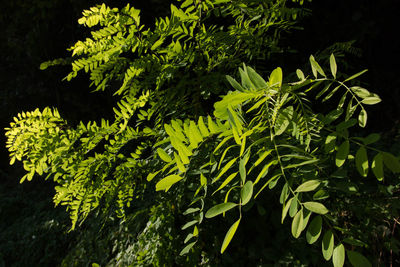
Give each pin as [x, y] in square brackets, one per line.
[333, 66]
[163, 155]
[247, 192]
[308, 186]
[219, 209]
[338, 256]
[167, 182]
[229, 235]
[297, 224]
[316, 207]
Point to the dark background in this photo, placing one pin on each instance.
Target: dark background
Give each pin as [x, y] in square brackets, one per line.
[36, 31]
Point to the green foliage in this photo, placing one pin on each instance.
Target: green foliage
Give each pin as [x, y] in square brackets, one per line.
[262, 138]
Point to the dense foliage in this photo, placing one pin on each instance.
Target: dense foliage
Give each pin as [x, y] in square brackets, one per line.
[184, 125]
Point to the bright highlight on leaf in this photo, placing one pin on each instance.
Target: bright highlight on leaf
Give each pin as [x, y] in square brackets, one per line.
[338, 256]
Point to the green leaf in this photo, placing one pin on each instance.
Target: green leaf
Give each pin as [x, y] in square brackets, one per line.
[242, 169]
[362, 161]
[377, 166]
[314, 230]
[315, 67]
[257, 80]
[262, 157]
[294, 206]
[151, 175]
[316, 207]
[188, 224]
[219, 209]
[333, 66]
[338, 256]
[360, 92]
[188, 237]
[331, 93]
[300, 74]
[227, 181]
[391, 162]
[372, 100]
[342, 153]
[163, 155]
[275, 79]
[225, 169]
[297, 224]
[190, 211]
[355, 75]
[330, 142]
[157, 44]
[203, 129]
[229, 235]
[332, 116]
[346, 124]
[327, 245]
[187, 248]
[264, 170]
[246, 192]
[167, 182]
[234, 83]
[286, 207]
[283, 120]
[308, 186]
[357, 259]
[362, 118]
[372, 138]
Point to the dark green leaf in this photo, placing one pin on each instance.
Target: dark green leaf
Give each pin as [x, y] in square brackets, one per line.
[187, 248]
[362, 161]
[342, 153]
[314, 230]
[377, 166]
[357, 259]
[327, 245]
[391, 162]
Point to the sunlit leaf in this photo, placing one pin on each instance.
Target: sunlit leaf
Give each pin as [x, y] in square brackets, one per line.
[229, 235]
[167, 182]
[308, 186]
[219, 209]
[246, 192]
[338, 256]
[315, 207]
[297, 224]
